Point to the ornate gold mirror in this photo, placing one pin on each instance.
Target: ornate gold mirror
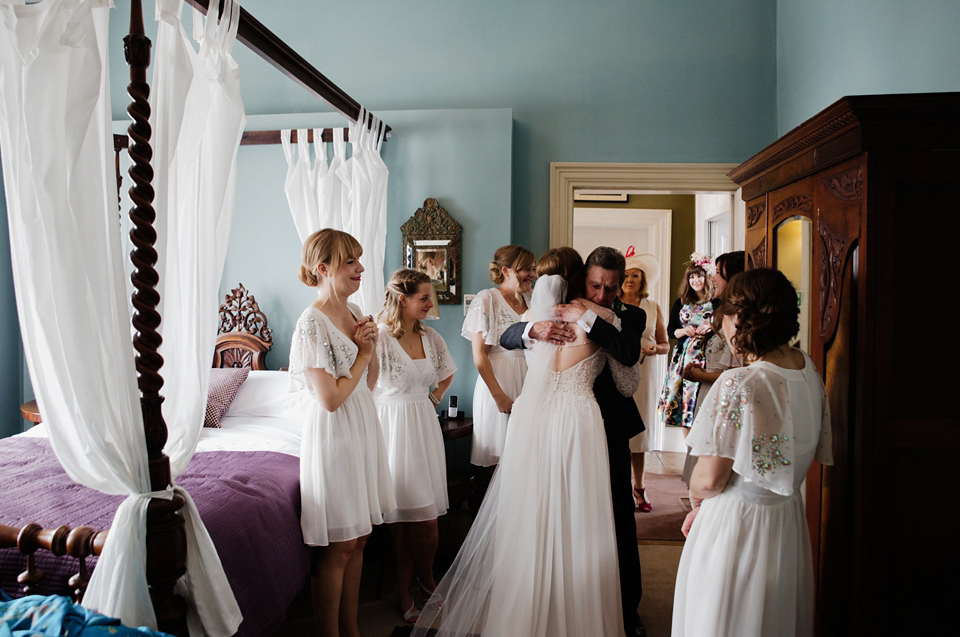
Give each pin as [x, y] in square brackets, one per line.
[431, 244]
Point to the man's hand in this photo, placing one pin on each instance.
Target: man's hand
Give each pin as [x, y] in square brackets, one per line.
[570, 312]
[552, 332]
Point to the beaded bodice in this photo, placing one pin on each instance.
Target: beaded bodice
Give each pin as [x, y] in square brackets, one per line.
[578, 379]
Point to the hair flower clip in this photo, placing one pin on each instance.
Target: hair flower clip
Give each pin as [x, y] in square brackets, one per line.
[705, 261]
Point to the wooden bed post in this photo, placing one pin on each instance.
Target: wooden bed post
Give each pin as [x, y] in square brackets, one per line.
[166, 537]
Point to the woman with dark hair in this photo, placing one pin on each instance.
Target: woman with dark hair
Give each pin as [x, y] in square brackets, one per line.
[718, 357]
[689, 324]
[746, 567]
[512, 271]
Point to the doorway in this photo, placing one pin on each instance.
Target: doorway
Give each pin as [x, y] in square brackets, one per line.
[703, 180]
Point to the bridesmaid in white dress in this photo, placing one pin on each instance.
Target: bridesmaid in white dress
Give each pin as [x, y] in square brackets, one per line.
[642, 272]
[513, 270]
[345, 484]
[413, 359]
[746, 567]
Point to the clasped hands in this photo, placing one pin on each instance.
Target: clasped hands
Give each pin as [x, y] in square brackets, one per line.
[558, 331]
[365, 334]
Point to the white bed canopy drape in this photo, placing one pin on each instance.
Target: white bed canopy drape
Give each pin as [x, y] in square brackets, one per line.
[67, 252]
[346, 194]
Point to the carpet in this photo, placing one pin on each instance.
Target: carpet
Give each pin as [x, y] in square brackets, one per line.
[668, 495]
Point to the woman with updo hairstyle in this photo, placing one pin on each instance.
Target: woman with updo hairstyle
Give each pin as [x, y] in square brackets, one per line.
[746, 567]
[513, 271]
[345, 483]
[416, 369]
[689, 324]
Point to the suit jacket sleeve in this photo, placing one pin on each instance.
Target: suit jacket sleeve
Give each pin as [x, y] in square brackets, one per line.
[623, 345]
[512, 337]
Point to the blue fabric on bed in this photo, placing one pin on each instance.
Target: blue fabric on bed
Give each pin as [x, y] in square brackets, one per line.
[57, 616]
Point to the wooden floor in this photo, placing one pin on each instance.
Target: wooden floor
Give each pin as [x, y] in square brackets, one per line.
[379, 617]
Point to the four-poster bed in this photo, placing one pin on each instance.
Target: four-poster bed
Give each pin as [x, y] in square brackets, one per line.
[166, 532]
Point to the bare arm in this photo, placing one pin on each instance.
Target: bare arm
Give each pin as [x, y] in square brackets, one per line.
[693, 372]
[481, 358]
[662, 345]
[442, 388]
[330, 391]
[710, 476]
[373, 372]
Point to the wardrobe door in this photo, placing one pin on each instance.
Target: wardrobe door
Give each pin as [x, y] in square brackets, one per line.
[839, 195]
[910, 531]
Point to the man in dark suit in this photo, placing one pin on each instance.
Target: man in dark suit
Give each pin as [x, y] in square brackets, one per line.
[605, 269]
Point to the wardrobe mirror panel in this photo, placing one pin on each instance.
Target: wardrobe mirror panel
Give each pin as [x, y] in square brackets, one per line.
[793, 255]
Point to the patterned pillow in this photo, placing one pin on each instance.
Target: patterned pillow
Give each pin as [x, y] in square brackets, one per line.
[224, 384]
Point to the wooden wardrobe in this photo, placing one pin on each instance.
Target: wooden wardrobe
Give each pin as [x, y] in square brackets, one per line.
[878, 178]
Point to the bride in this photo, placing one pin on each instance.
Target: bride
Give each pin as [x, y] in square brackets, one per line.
[541, 558]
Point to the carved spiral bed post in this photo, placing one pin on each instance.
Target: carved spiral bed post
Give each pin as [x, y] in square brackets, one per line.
[166, 538]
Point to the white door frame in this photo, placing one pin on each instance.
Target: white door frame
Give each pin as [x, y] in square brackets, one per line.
[566, 177]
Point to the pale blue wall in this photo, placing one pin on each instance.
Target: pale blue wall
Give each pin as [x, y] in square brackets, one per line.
[611, 81]
[459, 157]
[827, 49]
[10, 348]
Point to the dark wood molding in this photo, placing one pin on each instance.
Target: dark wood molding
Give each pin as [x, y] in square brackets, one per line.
[849, 126]
[793, 205]
[833, 250]
[846, 185]
[754, 213]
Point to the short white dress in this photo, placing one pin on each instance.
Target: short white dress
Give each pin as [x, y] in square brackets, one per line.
[410, 426]
[650, 382]
[746, 567]
[345, 483]
[490, 315]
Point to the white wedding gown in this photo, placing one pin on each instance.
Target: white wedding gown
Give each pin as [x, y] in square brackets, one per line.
[540, 559]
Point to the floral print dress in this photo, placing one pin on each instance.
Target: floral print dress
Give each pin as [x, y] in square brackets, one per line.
[679, 397]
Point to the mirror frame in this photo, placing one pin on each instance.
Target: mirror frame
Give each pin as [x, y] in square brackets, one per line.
[430, 230]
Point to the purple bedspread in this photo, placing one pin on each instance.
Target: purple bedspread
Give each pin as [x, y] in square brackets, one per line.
[249, 502]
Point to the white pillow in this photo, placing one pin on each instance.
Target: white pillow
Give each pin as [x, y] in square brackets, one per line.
[265, 394]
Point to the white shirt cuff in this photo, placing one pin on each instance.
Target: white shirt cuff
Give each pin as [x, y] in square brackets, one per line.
[528, 342]
[587, 320]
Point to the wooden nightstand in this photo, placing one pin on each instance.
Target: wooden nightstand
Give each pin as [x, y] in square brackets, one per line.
[31, 412]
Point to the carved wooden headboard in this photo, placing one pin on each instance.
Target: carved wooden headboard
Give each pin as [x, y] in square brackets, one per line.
[244, 338]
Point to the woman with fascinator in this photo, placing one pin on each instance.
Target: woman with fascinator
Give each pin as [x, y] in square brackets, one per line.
[540, 559]
[690, 325]
[642, 272]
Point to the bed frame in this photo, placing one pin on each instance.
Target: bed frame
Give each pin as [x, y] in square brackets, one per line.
[244, 341]
[166, 542]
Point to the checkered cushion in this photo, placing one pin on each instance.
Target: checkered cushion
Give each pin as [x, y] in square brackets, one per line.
[224, 384]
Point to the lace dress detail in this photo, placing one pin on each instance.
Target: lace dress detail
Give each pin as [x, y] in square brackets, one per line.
[578, 379]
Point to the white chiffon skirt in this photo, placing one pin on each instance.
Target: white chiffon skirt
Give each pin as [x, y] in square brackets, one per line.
[345, 482]
[540, 559]
[415, 452]
[746, 568]
[489, 424]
